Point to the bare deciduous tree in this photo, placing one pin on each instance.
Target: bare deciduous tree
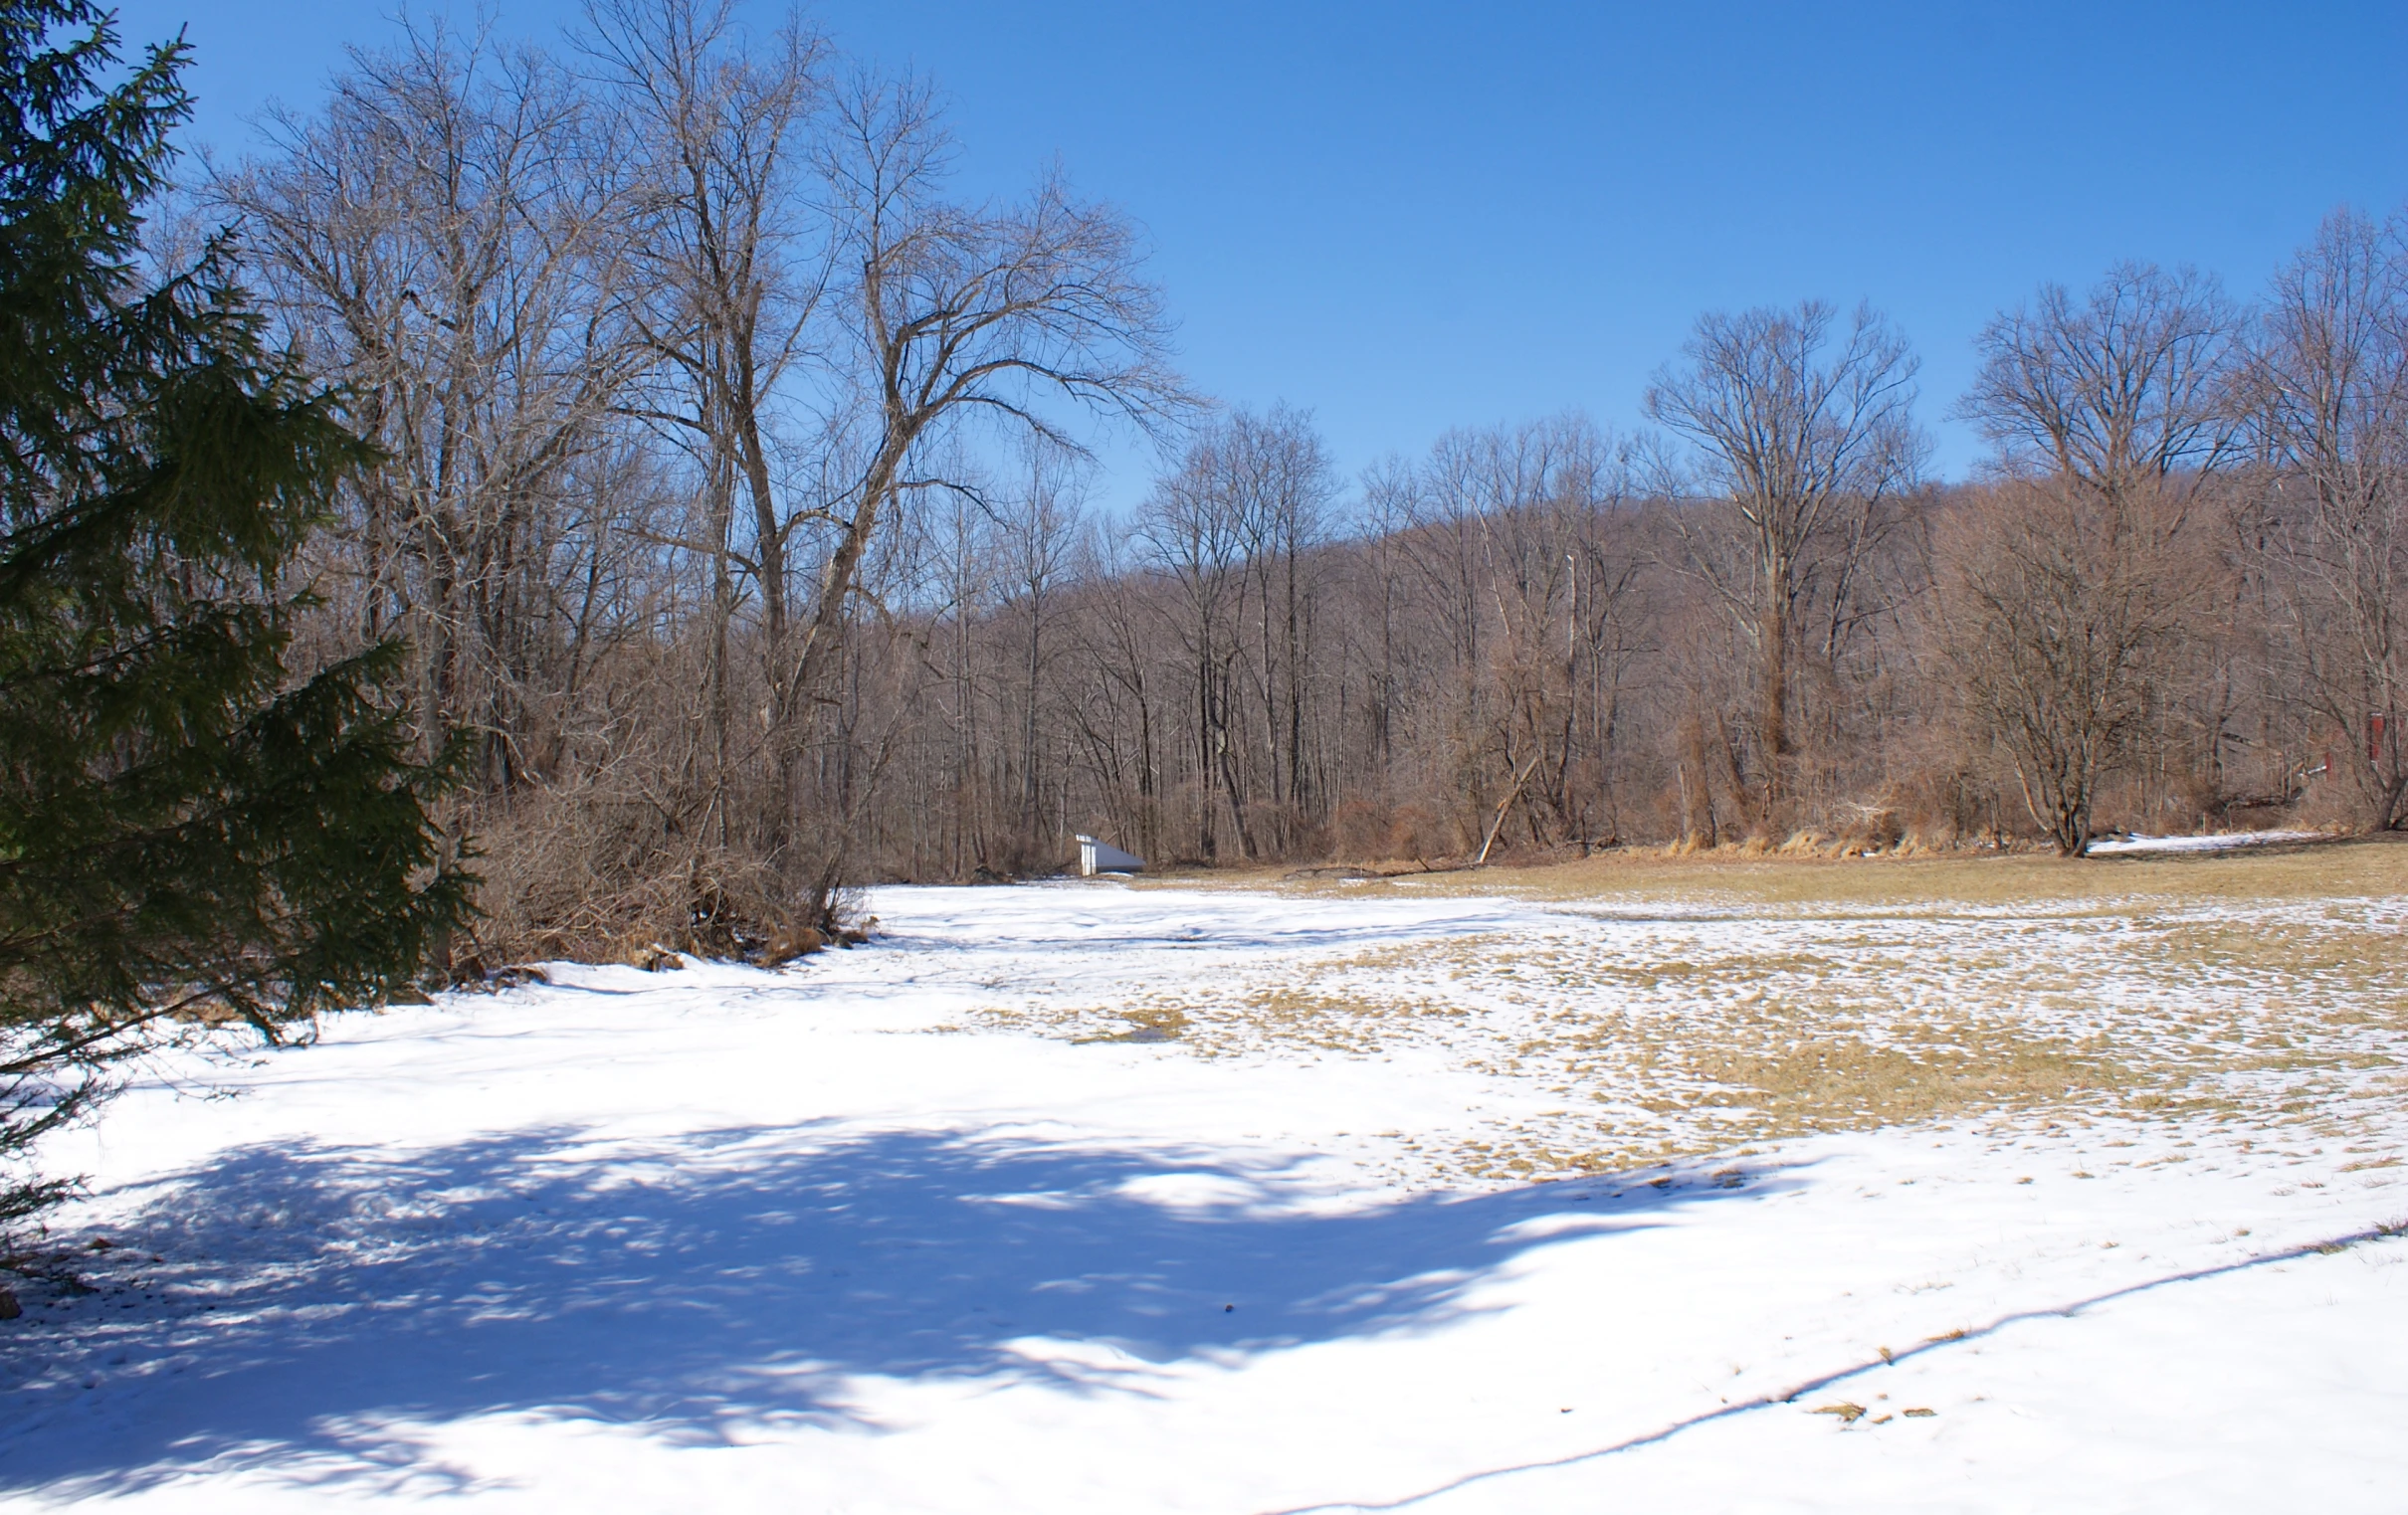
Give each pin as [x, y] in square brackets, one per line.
[2113, 393]
[2057, 614]
[1040, 530]
[721, 234]
[1803, 437]
[1194, 530]
[2327, 388]
[2069, 590]
[954, 315]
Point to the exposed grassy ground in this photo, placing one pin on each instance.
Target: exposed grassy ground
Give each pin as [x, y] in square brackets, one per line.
[2351, 867]
[1685, 1005]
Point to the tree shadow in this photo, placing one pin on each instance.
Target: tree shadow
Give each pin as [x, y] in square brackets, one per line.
[705, 1287]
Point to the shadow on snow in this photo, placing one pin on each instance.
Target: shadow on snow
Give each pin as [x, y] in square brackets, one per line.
[724, 1281]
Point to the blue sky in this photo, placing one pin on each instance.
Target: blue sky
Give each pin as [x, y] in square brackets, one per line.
[1411, 217]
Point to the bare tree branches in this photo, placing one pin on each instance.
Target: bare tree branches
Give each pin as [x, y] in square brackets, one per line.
[956, 314]
[2071, 589]
[440, 241]
[1805, 437]
[2121, 390]
[2326, 392]
[2057, 615]
[731, 252]
[735, 496]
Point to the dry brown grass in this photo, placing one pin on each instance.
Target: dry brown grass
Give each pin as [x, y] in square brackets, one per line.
[2342, 868]
[1736, 875]
[1685, 1004]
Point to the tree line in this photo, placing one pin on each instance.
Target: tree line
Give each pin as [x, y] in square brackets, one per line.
[669, 338]
[732, 500]
[2172, 599]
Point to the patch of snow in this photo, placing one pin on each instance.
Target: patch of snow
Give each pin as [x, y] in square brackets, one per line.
[2215, 842]
[836, 1238]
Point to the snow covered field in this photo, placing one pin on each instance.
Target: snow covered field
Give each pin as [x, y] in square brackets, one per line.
[1091, 1198]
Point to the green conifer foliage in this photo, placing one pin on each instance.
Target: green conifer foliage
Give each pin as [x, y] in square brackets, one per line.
[184, 826]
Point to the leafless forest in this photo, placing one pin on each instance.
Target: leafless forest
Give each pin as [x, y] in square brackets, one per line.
[737, 512]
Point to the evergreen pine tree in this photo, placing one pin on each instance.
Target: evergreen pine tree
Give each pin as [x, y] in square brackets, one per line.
[184, 826]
